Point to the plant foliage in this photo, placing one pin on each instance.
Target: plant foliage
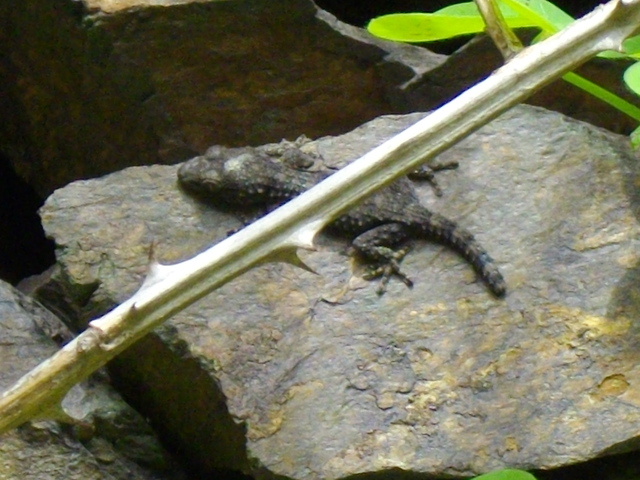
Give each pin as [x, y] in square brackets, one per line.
[464, 19]
[507, 474]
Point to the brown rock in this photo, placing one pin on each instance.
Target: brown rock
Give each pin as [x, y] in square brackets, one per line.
[91, 87]
[323, 379]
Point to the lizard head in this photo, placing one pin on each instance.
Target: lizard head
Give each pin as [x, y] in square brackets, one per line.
[237, 177]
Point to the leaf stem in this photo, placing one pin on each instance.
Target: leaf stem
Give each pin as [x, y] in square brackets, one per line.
[603, 94]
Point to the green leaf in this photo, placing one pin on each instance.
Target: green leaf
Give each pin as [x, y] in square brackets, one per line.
[611, 54]
[542, 13]
[533, 12]
[557, 17]
[635, 138]
[507, 474]
[464, 19]
[427, 27]
[460, 10]
[632, 46]
[632, 78]
[471, 9]
[422, 27]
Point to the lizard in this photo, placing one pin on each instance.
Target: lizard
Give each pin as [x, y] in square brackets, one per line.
[381, 226]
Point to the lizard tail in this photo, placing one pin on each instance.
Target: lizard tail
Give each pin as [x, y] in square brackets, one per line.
[447, 232]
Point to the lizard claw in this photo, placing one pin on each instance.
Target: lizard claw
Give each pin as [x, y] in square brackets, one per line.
[388, 269]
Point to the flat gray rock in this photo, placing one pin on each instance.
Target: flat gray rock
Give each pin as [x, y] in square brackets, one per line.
[319, 378]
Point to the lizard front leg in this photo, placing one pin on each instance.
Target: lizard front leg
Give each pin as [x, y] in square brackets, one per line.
[428, 173]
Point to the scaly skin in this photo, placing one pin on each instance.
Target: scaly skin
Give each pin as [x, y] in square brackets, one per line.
[380, 226]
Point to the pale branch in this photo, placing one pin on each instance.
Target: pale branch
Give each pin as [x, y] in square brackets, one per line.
[169, 289]
[496, 27]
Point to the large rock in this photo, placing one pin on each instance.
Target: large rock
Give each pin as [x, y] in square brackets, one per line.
[90, 87]
[109, 440]
[286, 373]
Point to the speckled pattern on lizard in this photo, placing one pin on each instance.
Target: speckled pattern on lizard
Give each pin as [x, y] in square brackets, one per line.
[382, 226]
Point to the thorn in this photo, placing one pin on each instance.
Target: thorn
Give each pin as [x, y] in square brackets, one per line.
[298, 262]
[290, 255]
[152, 252]
[152, 259]
[153, 267]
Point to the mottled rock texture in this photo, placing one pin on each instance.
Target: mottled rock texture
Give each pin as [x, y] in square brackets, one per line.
[112, 442]
[287, 373]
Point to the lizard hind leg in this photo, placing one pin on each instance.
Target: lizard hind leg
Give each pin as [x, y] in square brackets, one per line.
[384, 247]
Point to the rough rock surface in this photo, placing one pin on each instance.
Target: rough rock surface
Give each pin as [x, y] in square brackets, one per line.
[90, 87]
[326, 379]
[113, 442]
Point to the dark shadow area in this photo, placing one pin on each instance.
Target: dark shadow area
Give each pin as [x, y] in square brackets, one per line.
[618, 467]
[24, 250]
[393, 474]
[187, 406]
